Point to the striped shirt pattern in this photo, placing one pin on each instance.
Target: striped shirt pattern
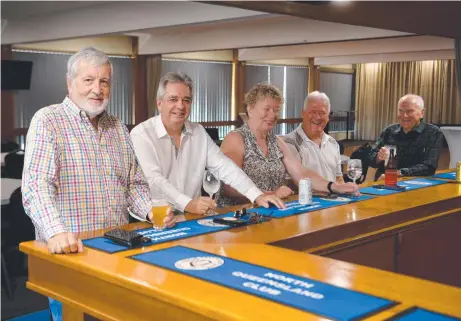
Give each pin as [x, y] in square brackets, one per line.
[77, 178]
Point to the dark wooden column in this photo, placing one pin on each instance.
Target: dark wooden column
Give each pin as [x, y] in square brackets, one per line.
[139, 85]
[238, 85]
[314, 76]
[7, 102]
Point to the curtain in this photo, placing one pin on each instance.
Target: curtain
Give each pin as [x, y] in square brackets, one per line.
[458, 65]
[212, 89]
[48, 86]
[154, 73]
[379, 87]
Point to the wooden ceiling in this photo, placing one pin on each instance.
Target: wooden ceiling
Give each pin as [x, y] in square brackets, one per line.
[438, 18]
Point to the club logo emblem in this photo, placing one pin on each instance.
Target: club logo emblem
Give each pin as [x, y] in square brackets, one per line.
[199, 263]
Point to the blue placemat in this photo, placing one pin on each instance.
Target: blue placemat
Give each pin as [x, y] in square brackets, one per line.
[288, 289]
[409, 185]
[451, 175]
[318, 203]
[182, 230]
[419, 314]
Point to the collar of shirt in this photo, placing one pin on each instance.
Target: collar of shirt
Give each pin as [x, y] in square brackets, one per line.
[160, 129]
[418, 128]
[325, 137]
[80, 113]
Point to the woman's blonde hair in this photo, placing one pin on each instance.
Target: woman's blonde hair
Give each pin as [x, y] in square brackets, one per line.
[261, 91]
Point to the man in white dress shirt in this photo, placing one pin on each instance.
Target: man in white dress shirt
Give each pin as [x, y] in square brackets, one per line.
[316, 150]
[173, 153]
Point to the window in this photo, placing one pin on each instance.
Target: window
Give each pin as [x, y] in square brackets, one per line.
[212, 92]
[339, 87]
[48, 86]
[291, 80]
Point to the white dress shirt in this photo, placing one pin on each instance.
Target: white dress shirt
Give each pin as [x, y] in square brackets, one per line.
[179, 178]
[325, 160]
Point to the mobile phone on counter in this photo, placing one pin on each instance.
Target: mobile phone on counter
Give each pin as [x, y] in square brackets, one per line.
[126, 238]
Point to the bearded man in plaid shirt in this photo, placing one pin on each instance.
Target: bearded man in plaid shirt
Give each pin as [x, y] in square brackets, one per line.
[80, 170]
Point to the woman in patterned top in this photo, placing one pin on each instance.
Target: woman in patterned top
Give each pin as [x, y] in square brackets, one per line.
[264, 157]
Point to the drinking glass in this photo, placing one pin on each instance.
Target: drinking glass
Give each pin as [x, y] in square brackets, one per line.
[354, 169]
[159, 213]
[211, 185]
[388, 152]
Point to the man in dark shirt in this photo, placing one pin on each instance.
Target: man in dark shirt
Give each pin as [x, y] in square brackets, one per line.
[418, 143]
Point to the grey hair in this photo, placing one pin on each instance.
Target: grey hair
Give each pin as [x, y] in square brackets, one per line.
[174, 78]
[414, 99]
[90, 54]
[317, 95]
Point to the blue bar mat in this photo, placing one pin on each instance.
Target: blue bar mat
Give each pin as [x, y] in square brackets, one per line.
[409, 185]
[419, 314]
[181, 230]
[318, 203]
[451, 175]
[302, 293]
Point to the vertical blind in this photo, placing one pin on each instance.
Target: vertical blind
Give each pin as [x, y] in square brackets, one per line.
[291, 80]
[212, 89]
[48, 86]
[339, 88]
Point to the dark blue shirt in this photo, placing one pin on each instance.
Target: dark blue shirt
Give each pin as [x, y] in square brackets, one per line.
[417, 151]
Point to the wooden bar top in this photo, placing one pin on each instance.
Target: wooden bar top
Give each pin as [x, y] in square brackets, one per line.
[313, 229]
[113, 287]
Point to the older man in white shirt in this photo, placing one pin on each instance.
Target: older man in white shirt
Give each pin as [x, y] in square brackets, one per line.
[173, 153]
[316, 150]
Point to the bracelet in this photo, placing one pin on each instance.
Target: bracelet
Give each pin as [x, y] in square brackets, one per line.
[329, 187]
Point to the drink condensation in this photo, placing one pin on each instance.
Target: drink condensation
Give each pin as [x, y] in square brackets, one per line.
[305, 191]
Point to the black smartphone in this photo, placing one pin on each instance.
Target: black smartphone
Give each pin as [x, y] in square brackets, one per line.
[230, 221]
[126, 238]
[393, 188]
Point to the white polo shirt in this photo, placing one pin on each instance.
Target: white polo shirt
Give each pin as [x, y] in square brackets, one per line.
[325, 160]
[177, 175]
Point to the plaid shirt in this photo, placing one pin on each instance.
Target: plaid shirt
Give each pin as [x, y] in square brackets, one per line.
[77, 178]
[417, 151]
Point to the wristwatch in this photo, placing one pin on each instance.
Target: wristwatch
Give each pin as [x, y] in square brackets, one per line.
[329, 187]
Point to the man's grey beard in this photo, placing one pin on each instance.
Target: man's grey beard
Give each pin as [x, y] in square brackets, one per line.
[92, 113]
